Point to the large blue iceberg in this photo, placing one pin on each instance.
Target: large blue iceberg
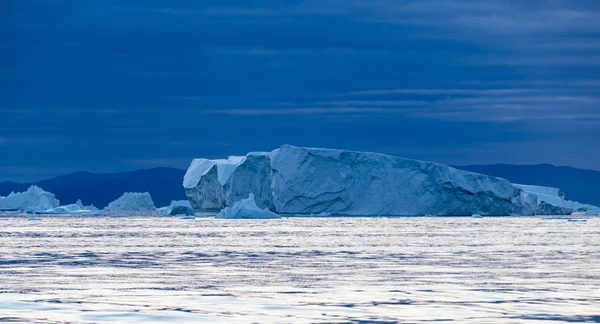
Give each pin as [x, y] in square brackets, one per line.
[295, 180]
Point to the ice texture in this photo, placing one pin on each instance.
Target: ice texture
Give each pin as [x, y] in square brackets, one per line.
[551, 201]
[246, 209]
[132, 202]
[35, 198]
[295, 180]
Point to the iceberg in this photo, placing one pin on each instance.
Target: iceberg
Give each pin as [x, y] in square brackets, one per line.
[90, 207]
[246, 209]
[132, 202]
[592, 212]
[34, 199]
[177, 207]
[73, 209]
[551, 201]
[295, 180]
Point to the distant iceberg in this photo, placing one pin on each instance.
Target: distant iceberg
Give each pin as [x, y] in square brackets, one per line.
[82, 206]
[34, 199]
[294, 180]
[246, 209]
[132, 202]
[72, 209]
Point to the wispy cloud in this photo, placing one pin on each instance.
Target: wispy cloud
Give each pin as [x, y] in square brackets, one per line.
[440, 92]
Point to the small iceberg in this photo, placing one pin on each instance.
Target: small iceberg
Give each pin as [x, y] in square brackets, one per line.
[246, 209]
[177, 207]
[594, 212]
[132, 202]
[476, 216]
[73, 209]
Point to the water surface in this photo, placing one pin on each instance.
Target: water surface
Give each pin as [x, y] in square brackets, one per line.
[303, 270]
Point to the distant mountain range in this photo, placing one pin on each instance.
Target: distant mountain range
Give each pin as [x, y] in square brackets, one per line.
[166, 184]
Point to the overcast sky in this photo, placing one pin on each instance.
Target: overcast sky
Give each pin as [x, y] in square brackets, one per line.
[114, 85]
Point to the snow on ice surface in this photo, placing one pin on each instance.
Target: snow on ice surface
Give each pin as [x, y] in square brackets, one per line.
[132, 202]
[200, 167]
[35, 198]
[246, 209]
[295, 180]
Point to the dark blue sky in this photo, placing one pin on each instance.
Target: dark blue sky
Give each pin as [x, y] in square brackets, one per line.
[113, 85]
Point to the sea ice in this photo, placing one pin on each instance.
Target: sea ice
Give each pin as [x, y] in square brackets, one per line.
[246, 208]
[295, 180]
[132, 202]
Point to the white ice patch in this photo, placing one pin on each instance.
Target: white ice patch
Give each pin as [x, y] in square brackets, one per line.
[246, 209]
[200, 167]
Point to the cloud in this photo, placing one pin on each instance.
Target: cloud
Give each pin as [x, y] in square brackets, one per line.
[440, 92]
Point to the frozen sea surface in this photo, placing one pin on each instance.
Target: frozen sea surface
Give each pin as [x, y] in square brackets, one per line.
[304, 270]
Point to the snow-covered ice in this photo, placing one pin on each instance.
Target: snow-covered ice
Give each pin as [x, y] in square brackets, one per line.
[295, 180]
[132, 202]
[247, 209]
[34, 199]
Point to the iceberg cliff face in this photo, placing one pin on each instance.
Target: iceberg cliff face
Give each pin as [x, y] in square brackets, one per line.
[295, 180]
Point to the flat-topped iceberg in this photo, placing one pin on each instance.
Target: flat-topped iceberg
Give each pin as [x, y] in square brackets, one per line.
[132, 202]
[295, 180]
[34, 199]
[246, 209]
